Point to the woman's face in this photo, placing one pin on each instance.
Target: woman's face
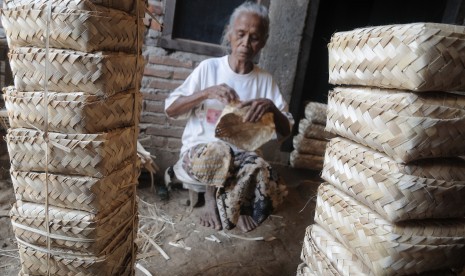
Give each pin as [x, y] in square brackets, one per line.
[247, 37]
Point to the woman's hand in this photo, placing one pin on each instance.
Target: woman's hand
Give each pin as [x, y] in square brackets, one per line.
[222, 93]
[258, 108]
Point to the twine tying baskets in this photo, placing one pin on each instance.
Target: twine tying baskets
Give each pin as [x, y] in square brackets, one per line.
[79, 26]
[418, 57]
[409, 132]
[386, 248]
[70, 112]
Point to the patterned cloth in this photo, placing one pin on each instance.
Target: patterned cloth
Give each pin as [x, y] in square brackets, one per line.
[249, 186]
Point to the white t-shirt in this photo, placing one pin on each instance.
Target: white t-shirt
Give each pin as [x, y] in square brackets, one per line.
[200, 127]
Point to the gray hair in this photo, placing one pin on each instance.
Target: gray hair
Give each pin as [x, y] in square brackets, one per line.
[246, 7]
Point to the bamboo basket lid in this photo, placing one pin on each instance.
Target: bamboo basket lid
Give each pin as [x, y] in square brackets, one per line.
[95, 155]
[427, 189]
[74, 112]
[74, 25]
[68, 262]
[403, 137]
[386, 248]
[100, 73]
[316, 112]
[310, 129]
[72, 229]
[306, 161]
[75, 192]
[316, 259]
[417, 57]
[309, 145]
[128, 6]
[304, 270]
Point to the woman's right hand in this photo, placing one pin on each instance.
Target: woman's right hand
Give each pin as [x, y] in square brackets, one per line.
[222, 93]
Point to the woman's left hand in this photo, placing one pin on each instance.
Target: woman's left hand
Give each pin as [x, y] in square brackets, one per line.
[258, 108]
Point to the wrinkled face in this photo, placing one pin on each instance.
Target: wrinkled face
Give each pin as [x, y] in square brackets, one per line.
[247, 36]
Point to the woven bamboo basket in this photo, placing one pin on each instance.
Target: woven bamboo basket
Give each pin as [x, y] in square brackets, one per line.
[316, 112]
[341, 260]
[304, 270]
[75, 25]
[74, 192]
[70, 112]
[309, 145]
[306, 161]
[67, 262]
[95, 155]
[316, 259]
[72, 229]
[427, 189]
[100, 74]
[417, 57]
[128, 6]
[406, 133]
[386, 248]
[314, 130]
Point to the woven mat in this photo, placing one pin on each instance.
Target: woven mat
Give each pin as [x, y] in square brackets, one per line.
[316, 259]
[306, 161]
[308, 145]
[73, 229]
[304, 270]
[100, 74]
[386, 248]
[316, 112]
[427, 189]
[313, 130]
[75, 25]
[95, 155]
[406, 132]
[68, 262]
[74, 192]
[123, 5]
[70, 112]
[417, 56]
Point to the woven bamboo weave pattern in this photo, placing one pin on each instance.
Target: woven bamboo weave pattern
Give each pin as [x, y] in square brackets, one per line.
[69, 112]
[314, 130]
[72, 229]
[387, 248]
[100, 74]
[88, 29]
[74, 192]
[309, 145]
[316, 259]
[341, 258]
[95, 155]
[306, 161]
[402, 137]
[67, 262]
[428, 189]
[316, 112]
[123, 5]
[304, 270]
[417, 57]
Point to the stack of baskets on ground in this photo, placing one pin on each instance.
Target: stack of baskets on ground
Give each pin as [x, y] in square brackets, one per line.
[393, 202]
[73, 114]
[310, 142]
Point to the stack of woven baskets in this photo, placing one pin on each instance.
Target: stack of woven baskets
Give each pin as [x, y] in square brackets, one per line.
[73, 114]
[310, 142]
[393, 202]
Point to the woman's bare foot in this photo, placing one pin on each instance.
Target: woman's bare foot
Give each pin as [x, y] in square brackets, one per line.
[209, 213]
[246, 223]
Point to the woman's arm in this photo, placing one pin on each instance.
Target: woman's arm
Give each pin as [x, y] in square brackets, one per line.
[183, 104]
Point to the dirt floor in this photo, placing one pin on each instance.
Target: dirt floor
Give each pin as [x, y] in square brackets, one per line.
[272, 249]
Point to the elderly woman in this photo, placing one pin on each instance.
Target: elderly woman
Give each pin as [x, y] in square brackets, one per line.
[244, 189]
